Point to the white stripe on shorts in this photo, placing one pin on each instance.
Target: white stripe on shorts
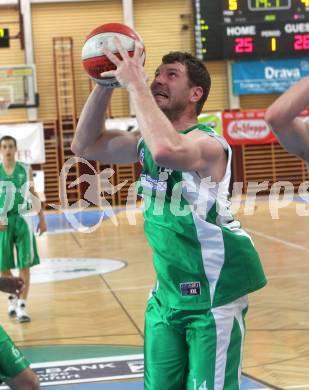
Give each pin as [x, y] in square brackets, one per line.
[28, 220]
[224, 317]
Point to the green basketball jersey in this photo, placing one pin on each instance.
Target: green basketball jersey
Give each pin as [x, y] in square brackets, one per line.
[14, 190]
[201, 255]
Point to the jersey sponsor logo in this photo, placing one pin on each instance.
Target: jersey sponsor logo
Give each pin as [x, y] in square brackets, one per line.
[190, 288]
[169, 171]
[153, 184]
[142, 156]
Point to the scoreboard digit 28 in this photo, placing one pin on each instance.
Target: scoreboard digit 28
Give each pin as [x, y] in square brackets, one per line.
[232, 29]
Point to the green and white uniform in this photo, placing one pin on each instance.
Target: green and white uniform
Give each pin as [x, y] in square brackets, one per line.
[12, 361]
[206, 265]
[15, 212]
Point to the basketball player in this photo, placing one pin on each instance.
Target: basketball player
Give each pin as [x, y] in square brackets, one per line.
[205, 263]
[15, 225]
[14, 368]
[292, 132]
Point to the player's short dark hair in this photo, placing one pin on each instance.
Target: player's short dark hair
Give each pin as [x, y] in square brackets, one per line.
[197, 73]
[8, 138]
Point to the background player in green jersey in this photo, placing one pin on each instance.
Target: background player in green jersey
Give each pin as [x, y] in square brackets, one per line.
[292, 132]
[16, 224]
[15, 370]
[205, 263]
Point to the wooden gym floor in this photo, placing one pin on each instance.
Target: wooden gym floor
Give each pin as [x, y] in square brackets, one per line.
[108, 308]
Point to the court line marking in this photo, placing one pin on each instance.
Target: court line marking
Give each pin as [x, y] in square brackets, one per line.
[55, 293]
[271, 238]
[120, 303]
[89, 360]
[144, 287]
[90, 381]
[297, 386]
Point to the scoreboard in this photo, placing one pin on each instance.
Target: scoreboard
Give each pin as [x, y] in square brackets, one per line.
[235, 29]
[4, 37]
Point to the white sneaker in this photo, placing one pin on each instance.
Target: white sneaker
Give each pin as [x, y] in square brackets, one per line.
[21, 313]
[12, 305]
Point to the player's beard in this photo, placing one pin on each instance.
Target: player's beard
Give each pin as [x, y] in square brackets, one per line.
[174, 110]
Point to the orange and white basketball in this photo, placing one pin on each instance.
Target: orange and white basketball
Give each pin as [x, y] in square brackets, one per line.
[95, 62]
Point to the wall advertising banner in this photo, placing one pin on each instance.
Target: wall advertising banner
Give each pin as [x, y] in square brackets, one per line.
[273, 76]
[30, 141]
[246, 127]
[249, 127]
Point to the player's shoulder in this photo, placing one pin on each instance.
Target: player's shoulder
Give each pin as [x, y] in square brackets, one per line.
[209, 136]
[139, 140]
[24, 166]
[136, 134]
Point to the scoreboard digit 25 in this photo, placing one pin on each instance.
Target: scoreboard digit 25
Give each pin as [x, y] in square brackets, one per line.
[232, 29]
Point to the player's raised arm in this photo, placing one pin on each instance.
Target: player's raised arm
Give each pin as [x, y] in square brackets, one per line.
[292, 132]
[92, 141]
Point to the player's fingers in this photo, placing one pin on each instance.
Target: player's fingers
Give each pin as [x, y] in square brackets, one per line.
[138, 49]
[110, 73]
[111, 56]
[120, 48]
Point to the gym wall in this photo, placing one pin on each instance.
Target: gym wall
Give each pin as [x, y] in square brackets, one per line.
[164, 26]
[12, 56]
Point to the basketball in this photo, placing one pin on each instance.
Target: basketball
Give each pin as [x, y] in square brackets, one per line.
[95, 62]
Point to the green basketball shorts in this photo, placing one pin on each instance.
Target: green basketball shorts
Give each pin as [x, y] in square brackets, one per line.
[12, 361]
[18, 234]
[194, 350]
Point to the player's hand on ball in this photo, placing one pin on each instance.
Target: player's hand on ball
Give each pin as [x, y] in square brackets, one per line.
[94, 59]
[130, 70]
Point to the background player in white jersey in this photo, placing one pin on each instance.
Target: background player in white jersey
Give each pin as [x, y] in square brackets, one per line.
[205, 264]
[292, 132]
[16, 225]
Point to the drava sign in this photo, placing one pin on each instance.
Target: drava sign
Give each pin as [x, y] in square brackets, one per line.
[273, 76]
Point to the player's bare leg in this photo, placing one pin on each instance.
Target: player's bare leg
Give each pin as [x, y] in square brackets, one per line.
[21, 313]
